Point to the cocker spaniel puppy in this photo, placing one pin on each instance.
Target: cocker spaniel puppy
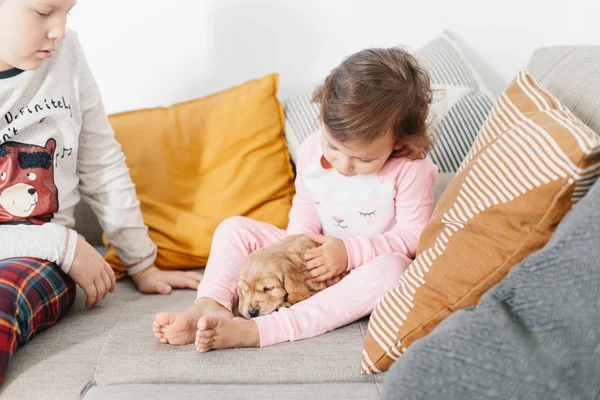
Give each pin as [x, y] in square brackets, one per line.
[270, 277]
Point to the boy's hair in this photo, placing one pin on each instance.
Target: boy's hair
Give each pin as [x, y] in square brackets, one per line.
[376, 91]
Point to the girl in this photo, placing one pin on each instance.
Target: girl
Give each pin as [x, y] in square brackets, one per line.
[56, 145]
[364, 193]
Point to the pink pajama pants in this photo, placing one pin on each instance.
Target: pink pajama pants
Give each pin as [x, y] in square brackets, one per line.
[349, 300]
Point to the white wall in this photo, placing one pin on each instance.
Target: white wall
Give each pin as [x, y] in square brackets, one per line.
[146, 53]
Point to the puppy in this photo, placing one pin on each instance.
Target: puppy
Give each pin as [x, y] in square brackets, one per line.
[270, 277]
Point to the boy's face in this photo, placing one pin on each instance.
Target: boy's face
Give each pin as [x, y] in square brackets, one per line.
[30, 30]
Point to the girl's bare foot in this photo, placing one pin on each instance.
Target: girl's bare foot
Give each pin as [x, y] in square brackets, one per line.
[218, 332]
[180, 328]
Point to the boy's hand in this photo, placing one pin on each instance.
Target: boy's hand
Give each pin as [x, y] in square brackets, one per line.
[91, 272]
[154, 280]
[328, 260]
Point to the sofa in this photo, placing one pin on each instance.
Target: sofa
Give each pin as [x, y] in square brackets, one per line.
[109, 352]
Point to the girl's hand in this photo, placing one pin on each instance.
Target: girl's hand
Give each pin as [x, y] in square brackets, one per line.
[91, 272]
[154, 280]
[327, 261]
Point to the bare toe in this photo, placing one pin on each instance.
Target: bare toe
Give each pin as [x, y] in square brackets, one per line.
[207, 334]
[181, 330]
[206, 323]
[217, 332]
[162, 320]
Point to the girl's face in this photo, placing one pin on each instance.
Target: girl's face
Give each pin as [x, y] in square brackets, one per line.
[30, 30]
[351, 159]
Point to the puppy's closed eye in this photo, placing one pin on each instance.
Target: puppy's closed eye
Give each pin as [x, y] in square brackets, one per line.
[267, 289]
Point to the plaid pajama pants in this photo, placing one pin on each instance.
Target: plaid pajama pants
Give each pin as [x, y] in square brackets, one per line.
[34, 294]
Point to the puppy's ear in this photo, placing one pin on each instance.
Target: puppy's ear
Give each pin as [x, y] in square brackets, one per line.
[294, 252]
[295, 285]
[296, 258]
[241, 287]
[303, 243]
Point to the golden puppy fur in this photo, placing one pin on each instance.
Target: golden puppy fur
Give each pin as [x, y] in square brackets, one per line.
[270, 277]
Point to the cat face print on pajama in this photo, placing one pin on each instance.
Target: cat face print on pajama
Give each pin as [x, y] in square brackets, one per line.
[358, 205]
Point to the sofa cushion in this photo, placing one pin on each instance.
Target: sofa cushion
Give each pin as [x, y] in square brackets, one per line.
[113, 344]
[196, 163]
[132, 354]
[572, 74]
[532, 160]
[346, 391]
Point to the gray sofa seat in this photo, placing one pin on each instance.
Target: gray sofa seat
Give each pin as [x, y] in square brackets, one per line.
[113, 344]
[322, 391]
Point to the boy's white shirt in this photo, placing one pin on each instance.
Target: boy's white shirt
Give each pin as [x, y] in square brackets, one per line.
[61, 102]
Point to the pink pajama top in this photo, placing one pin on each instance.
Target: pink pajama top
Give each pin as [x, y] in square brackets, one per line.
[373, 214]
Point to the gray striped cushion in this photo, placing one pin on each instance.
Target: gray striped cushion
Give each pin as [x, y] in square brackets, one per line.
[300, 121]
[462, 103]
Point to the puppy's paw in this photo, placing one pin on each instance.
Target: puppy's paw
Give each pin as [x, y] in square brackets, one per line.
[285, 304]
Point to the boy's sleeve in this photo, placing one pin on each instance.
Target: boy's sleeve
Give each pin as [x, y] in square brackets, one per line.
[413, 205]
[105, 182]
[50, 242]
[303, 217]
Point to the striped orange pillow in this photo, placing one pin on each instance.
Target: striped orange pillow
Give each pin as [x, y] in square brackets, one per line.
[531, 161]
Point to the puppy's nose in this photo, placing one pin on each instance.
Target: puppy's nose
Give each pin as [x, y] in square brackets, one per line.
[254, 313]
[31, 191]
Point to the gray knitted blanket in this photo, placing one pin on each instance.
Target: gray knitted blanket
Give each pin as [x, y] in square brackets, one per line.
[535, 335]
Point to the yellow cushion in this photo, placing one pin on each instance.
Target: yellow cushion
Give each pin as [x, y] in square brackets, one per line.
[532, 160]
[199, 162]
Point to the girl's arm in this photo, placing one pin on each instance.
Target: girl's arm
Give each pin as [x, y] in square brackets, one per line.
[413, 206]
